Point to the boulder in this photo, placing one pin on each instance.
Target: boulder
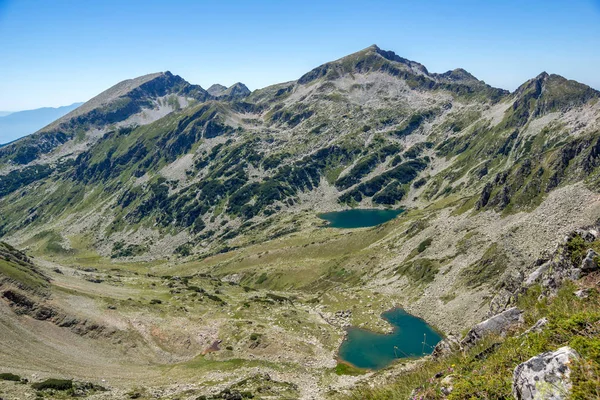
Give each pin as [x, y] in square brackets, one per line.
[589, 235]
[589, 263]
[497, 325]
[446, 346]
[545, 376]
[538, 273]
[582, 293]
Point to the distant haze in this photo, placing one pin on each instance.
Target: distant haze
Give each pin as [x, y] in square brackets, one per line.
[21, 123]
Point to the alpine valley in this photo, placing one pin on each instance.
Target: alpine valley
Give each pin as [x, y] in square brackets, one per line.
[164, 241]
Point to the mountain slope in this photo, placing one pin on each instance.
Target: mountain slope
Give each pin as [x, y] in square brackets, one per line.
[158, 175]
[132, 102]
[21, 123]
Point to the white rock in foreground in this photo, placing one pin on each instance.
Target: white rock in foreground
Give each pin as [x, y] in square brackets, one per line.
[545, 376]
[498, 325]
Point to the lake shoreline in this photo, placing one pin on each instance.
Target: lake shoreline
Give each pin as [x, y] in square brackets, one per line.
[401, 338]
[359, 217]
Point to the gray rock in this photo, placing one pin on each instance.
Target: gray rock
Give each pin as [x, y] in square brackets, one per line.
[583, 293]
[589, 235]
[447, 385]
[538, 273]
[589, 263]
[497, 325]
[545, 376]
[537, 327]
[447, 346]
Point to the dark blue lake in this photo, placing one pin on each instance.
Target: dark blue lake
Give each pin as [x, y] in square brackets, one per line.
[358, 218]
[366, 349]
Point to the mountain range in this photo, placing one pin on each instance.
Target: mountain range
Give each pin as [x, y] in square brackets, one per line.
[15, 125]
[157, 185]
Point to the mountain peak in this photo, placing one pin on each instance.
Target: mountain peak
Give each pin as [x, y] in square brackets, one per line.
[237, 90]
[216, 89]
[547, 93]
[458, 75]
[366, 60]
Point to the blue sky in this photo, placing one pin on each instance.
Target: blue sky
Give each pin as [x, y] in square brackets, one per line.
[58, 52]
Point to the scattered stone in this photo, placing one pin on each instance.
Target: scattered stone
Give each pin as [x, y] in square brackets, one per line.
[344, 314]
[497, 324]
[582, 293]
[545, 376]
[446, 385]
[537, 327]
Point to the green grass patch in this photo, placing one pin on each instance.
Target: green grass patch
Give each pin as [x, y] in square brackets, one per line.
[421, 270]
[493, 263]
[54, 384]
[10, 377]
[347, 369]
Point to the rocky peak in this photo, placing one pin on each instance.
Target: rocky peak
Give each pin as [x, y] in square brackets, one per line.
[458, 75]
[237, 90]
[216, 89]
[548, 93]
[120, 102]
[391, 56]
[144, 87]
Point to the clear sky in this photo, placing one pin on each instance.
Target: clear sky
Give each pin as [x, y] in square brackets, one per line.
[58, 52]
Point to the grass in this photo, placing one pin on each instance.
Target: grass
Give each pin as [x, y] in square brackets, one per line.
[424, 245]
[347, 369]
[55, 384]
[491, 265]
[421, 270]
[9, 377]
[21, 272]
[572, 322]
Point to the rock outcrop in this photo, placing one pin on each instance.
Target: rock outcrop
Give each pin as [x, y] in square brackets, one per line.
[589, 263]
[447, 346]
[545, 376]
[496, 325]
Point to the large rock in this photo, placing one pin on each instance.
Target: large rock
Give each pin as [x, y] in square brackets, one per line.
[589, 263]
[545, 376]
[447, 346]
[538, 273]
[498, 325]
[589, 235]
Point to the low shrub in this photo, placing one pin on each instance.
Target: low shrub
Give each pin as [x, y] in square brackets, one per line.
[10, 377]
[55, 384]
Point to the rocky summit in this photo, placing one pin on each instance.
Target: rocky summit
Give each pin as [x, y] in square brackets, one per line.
[164, 241]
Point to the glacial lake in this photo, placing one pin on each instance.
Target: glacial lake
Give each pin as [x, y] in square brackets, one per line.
[358, 218]
[366, 349]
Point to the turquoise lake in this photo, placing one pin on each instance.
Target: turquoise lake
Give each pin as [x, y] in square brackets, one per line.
[358, 218]
[366, 349]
